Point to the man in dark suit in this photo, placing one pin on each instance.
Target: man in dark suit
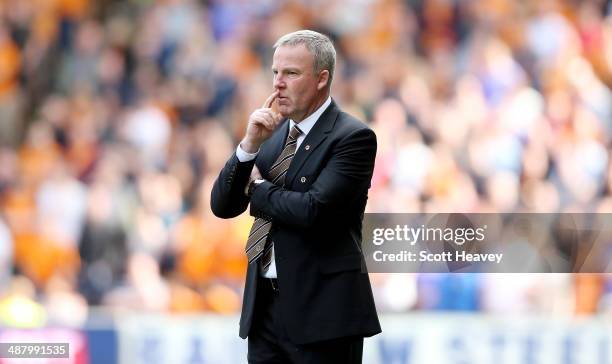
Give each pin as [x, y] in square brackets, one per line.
[305, 168]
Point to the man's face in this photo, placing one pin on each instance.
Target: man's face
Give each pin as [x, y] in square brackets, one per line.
[299, 88]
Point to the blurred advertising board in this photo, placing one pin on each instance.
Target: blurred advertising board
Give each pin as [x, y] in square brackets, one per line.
[406, 339]
[180, 340]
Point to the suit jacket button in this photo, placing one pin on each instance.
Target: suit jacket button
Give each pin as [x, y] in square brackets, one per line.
[303, 179]
[307, 147]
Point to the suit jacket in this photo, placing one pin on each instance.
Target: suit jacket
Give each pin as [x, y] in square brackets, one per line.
[324, 289]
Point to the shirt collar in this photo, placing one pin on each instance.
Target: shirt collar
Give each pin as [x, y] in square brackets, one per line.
[307, 124]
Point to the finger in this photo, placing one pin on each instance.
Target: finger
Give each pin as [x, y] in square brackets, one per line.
[274, 107]
[270, 100]
[263, 121]
[274, 117]
[273, 113]
[268, 115]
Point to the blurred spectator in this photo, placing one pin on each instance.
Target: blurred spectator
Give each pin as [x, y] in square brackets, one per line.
[449, 292]
[60, 207]
[6, 256]
[533, 293]
[148, 129]
[10, 98]
[103, 244]
[18, 306]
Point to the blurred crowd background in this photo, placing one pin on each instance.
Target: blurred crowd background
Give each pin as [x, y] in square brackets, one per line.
[116, 117]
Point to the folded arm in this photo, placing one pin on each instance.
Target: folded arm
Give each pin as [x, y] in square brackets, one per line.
[344, 178]
[227, 198]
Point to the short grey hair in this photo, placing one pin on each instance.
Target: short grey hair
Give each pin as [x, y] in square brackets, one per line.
[318, 44]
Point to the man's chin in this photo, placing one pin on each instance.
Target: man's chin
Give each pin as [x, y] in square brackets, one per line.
[285, 112]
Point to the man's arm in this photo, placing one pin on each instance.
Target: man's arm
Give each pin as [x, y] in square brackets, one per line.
[227, 197]
[344, 178]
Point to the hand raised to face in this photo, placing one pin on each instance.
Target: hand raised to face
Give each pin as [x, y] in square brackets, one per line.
[261, 125]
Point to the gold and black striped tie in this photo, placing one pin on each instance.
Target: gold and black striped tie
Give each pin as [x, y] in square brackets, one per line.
[258, 244]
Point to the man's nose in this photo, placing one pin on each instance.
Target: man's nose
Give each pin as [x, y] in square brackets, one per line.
[279, 82]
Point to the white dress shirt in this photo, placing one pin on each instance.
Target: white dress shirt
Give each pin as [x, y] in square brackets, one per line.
[305, 126]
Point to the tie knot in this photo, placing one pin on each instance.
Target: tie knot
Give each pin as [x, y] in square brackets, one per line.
[294, 132]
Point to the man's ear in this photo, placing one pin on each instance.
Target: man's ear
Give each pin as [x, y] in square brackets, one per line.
[323, 80]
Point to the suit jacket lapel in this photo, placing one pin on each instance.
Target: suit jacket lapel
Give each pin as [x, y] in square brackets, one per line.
[315, 137]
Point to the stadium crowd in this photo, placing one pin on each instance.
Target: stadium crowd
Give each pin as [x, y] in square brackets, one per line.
[116, 116]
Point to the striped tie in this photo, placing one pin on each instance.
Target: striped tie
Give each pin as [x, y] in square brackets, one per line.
[258, 244]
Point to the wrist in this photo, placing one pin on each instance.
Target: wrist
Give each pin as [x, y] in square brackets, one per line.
[249, 146]
[252, 185]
